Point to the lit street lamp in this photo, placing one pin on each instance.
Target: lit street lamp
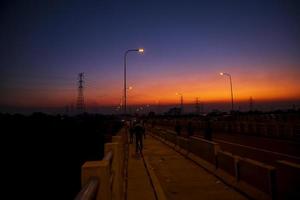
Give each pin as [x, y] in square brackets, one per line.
[125, 88]
[226, 74]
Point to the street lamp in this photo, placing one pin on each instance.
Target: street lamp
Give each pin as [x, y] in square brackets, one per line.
[125, 58]
[181, 101]
[226, 74]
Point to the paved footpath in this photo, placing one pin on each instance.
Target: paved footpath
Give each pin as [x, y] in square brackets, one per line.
[182, 179]
[139, 186]
[179, 178]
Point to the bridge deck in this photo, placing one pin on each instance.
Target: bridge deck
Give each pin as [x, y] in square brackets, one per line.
[139, 185]
[178, 177]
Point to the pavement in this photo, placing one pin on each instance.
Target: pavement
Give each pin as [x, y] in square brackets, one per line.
[179, 178]
[139, 185]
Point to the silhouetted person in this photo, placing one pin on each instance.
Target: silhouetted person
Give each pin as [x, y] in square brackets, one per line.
[131, 132]
[207, 129]
[178, 128]
[139, 131]
[190, 129]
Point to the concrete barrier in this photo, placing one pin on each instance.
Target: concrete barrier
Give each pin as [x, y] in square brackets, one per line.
[116, 170]
[171, 137]
[257, 174]
[245, 128]
[108, 171]
[163, 134]
[238, 127]
[251, 128]
[100, 170]
[117, 147]
[227, 162]
[205, 149]
[287, 180]
[183, 143]
[253, 178]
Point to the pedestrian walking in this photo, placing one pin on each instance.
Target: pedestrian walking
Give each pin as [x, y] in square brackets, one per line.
[139, 132]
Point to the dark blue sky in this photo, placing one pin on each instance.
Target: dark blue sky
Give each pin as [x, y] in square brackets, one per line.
[45, 44]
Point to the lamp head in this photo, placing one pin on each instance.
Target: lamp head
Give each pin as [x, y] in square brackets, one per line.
[221, 73]
[141, 50]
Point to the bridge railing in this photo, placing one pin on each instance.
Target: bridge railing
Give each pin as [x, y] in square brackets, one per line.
[256, 179]
[268, 128]
[89, 191]
[104, 179]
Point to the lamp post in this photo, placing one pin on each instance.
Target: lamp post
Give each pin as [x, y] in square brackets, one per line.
[226, 74]
[181, 101]
[158, 107]
[128, 89]
[125, 59]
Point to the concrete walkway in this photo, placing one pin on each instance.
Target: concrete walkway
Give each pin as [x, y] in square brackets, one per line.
[139, 186]
[181, 178]
[178, 177]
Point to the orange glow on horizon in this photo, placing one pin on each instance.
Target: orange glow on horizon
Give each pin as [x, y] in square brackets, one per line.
[274, 85]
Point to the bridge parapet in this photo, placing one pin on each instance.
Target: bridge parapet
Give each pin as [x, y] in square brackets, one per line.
[288, 179]
[108, 173]
[256, 179]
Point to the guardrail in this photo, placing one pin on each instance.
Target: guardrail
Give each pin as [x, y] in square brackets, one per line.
[104, 179]
[89, 191]
[267, 128]
[256, 179]
[287, 180]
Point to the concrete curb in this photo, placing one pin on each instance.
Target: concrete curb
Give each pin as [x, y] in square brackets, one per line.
[160, 194]
[241, 187]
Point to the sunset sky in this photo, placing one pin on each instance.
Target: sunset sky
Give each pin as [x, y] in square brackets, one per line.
[45, 44]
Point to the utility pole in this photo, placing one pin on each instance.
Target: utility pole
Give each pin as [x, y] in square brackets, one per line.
[158, 107]
[181, 104]
[197, 106]
[202, 107]
[80, 98]
[251, 104]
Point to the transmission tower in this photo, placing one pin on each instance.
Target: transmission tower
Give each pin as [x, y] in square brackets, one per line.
[80, 99]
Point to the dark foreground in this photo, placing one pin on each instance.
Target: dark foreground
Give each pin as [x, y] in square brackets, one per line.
[42, 154]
